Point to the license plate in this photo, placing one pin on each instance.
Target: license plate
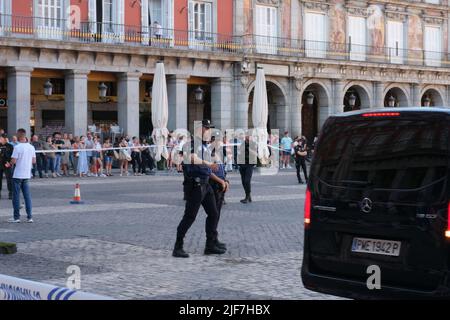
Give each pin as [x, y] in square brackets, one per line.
[376, 246]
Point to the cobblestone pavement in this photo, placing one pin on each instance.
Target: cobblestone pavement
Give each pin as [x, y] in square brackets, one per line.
[122, 238]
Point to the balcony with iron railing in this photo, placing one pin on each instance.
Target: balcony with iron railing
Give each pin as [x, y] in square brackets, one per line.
[250, 44]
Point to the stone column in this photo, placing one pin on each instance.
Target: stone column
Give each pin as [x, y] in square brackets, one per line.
[338, 89]
[128, 103]
[416, 97]
[19, 99]
[296, 107]
[241, 104]
[178, 102]
[378, 96]
[221, 91]
[76, 100]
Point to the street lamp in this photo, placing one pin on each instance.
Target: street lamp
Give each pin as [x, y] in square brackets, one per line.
[199, 94]
[149, 92]
[427, 101]
[352, 101]
[391, 101]
[309, 98]
[48, 88]
[102, 89]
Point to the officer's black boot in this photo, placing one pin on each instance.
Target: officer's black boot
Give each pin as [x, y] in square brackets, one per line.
[247, 199]
[250, 197]
[212, 248]
[221, 245]
[178, 251]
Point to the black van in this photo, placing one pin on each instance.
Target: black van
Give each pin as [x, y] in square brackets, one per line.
[378, 195]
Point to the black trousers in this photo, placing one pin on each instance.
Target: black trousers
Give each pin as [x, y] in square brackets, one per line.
[8, 174]
[220, 196]
[40, 165]
[196, 196]
[301, 163]
[136, 161]
[147, 161]
[246, 171]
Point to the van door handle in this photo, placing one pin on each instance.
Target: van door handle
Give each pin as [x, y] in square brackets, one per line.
[325, 208]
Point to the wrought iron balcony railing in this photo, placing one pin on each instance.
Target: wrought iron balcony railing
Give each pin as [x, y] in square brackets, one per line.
[127, 35]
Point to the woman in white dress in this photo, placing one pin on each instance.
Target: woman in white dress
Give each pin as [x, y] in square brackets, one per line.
[83, 168]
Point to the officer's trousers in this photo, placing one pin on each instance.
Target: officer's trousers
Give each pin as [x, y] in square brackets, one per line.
[246, 171]
[197, 196]
[8, 175]
[301, 163]
[220, 196]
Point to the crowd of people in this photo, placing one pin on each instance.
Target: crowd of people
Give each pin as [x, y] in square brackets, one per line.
[63, 154]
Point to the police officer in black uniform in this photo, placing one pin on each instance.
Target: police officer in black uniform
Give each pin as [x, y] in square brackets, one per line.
[6, 151]
[301, 152]
[197, 172]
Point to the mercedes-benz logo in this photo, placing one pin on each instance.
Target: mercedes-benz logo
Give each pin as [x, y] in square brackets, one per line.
[366, 205]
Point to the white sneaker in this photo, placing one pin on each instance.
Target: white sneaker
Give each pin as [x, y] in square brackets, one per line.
[103, 175]
[30, 221]
[289, 167]
[12, 220]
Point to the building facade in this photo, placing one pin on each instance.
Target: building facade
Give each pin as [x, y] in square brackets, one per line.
[320, 58]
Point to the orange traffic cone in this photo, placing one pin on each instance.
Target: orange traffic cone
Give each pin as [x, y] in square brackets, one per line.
[77, 195]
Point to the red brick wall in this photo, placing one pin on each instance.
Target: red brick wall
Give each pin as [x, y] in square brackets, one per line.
[225, 17]
[181, 14]
[84, 8]
[22, 8]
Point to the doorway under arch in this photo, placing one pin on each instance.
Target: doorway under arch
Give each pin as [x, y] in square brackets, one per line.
[356, 98]
[278, 117]
[315, 110]
[395, 97]
[432, 98]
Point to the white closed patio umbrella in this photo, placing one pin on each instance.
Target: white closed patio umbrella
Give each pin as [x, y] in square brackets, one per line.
[260, 116]
[160, 112]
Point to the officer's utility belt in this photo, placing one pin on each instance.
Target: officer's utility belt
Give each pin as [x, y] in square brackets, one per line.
[197, 181]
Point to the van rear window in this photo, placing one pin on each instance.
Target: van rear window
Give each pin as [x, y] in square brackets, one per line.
[390, 153]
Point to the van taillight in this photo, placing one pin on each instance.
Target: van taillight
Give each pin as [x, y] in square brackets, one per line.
[447, 232]
[307, 207]
[381, 114]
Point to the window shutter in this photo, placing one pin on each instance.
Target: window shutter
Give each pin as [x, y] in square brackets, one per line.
[259, 26]
[395, 39]
[433, 42]
[191, 23]
[170, 13]
[357, 34]
[144, 22]
[119, 19]
[93, 16]
[208, 19]
[315, 34]
[273, 23]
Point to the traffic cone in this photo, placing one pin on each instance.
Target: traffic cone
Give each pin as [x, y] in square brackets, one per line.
[77, 195]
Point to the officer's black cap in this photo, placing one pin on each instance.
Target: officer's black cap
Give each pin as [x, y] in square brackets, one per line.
[207, 124]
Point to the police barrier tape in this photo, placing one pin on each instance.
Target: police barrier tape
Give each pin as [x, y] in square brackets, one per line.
[115, 148]
[19, 289]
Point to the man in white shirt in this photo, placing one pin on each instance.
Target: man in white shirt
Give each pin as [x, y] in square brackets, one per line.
[23, 157]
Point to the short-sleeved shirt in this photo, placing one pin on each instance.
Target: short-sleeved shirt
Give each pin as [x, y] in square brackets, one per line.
[89, 145]
[24, 154]
[197, 170]
[59, 145]
[286, 142]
